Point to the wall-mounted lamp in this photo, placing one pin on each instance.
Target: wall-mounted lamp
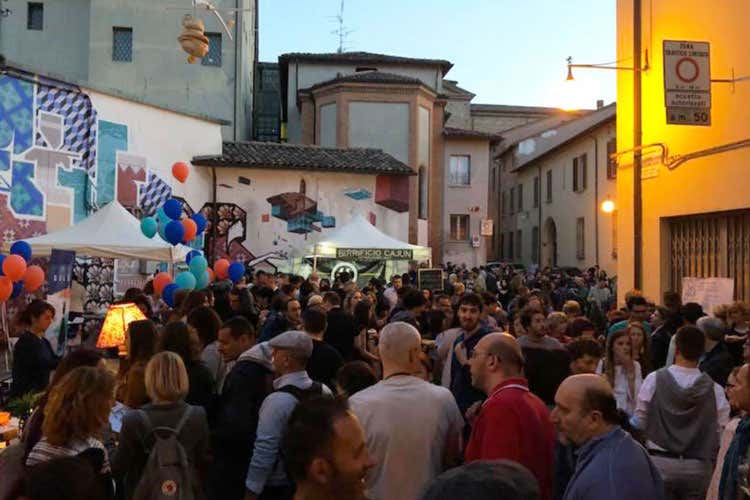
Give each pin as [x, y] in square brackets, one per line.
[608, 206]
[602, 66]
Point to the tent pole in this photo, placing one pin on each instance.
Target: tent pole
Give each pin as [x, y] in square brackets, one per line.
[315, 262]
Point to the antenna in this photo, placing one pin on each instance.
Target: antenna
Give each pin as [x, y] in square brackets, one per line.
[341, 31]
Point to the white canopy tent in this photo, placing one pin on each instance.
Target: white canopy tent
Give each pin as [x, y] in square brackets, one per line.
[111, 232]
[360, 234]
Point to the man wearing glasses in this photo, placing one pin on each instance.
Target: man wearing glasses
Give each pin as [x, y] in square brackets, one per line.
[513, 423]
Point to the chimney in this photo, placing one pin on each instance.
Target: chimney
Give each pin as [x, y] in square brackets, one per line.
[599, 103]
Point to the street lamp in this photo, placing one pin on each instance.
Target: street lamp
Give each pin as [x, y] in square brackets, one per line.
[608, 206]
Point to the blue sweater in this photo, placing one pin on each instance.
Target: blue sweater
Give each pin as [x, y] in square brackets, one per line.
[614, 467]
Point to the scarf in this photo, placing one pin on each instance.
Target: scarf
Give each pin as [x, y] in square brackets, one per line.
[736, 452]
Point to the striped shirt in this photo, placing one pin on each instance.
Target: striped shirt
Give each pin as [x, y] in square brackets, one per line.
[44, 451]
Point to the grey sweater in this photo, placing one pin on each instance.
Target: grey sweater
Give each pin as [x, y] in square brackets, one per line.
[683, 420]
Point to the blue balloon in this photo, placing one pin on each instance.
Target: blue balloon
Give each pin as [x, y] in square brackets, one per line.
[203, 281]
[149, 227]
[21, 248]
[200, 221]
[198, 264]
[174, 232]
[17, 289]
[185, 280]
[2, 259]
[173, 209]
[236, 271]
[161, 217]
[167, 294]
[191, 254]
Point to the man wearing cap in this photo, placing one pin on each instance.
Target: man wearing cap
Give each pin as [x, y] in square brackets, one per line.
[266, 476]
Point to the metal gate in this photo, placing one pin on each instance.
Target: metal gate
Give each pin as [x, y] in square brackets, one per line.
[711, 245]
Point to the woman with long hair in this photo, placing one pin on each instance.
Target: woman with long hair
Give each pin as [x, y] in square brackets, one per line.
[641, 344]
[32, 431]
[181, 339]
[207, 323]
[141, 344]
[621, 371]
[33, 357]
[76, 412]
[167, 385]
[351, 301]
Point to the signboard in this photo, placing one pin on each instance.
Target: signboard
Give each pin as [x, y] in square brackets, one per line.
[487, 227]
[59, 280]
[475, 241]
[375, 253]
[687, 82]
[708, 292]
[344, 267]
[128, 275]
[430, 279]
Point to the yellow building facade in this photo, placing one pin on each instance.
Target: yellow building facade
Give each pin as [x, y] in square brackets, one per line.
[695, 179]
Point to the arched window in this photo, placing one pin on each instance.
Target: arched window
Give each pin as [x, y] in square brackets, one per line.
[423, 193]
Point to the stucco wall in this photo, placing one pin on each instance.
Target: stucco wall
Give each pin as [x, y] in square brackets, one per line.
[380, 125]
[463, 200]
[708, 184]
[274, 227]
[328, 120]
[62, 47]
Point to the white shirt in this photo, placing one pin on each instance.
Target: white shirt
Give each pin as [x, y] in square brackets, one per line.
[410, 426]
[391, 295]
[685, 377]
[444, 344]
[625, 401]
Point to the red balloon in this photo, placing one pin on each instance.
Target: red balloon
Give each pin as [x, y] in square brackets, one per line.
[33, 278]
[221, 268]
[160, 281]
[191, 228]
[211, 275]
[14, 267]
[180, 171]
[6, 288]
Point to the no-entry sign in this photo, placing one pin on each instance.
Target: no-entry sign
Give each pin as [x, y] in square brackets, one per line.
[687, 82]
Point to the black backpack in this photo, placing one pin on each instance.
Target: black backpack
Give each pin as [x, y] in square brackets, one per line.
[167, 474]
[315, 390]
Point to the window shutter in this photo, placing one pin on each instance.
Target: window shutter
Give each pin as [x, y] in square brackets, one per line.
[575, 174]
[584, 173]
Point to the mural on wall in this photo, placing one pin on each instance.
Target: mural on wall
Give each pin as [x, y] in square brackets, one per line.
[300, 212]
[59, 162]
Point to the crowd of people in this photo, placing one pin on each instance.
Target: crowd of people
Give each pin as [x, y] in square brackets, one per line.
[506, 383]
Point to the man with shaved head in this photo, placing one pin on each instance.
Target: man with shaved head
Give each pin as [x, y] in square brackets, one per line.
[412, 428]
[512, 423]
[610, 464]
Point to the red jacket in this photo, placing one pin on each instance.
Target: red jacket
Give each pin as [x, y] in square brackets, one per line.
[514, 424]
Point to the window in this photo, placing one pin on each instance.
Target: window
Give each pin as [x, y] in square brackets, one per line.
[213, 57]
[512, 205]
[422, 193]
[536, 192]
[510, 245]
[459, 173]
[579, 173]
[122, 44]
[611, 163]
[535, 244]
[459, 227]
[35, 17]
[549, 186]
[519, 245]
[520, 197]
[580, 239]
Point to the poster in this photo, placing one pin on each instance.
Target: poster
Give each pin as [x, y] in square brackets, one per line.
[128, 275]
[59, 278]
[708, 292]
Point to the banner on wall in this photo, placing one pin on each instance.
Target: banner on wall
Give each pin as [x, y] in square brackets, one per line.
[708, 292]
[59, 279]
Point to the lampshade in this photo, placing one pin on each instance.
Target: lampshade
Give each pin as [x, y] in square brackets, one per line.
[115, 327]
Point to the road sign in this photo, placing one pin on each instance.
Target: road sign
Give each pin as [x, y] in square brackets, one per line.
[687, 82]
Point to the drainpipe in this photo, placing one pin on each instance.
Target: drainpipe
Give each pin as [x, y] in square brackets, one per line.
[637, 138]
[539, 223]
[596, 199]
[237, 57]
[214, 217]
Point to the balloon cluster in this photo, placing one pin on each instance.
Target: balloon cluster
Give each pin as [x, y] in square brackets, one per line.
[16, 274]
[170, 224]
[198, 277]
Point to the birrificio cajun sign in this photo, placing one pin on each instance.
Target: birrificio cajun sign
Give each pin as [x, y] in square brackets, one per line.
[374, 254]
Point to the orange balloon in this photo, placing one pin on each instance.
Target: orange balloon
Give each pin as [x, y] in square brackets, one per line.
[211, 275]
[180, 171]
[191, 228]
[33, 278]
[6, 288]
[14, 267]
[160, 281]
[221, 268]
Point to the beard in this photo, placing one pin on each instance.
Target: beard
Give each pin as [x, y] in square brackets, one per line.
[348, 486]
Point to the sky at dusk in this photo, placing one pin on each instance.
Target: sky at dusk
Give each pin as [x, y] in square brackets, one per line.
[504, 51]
